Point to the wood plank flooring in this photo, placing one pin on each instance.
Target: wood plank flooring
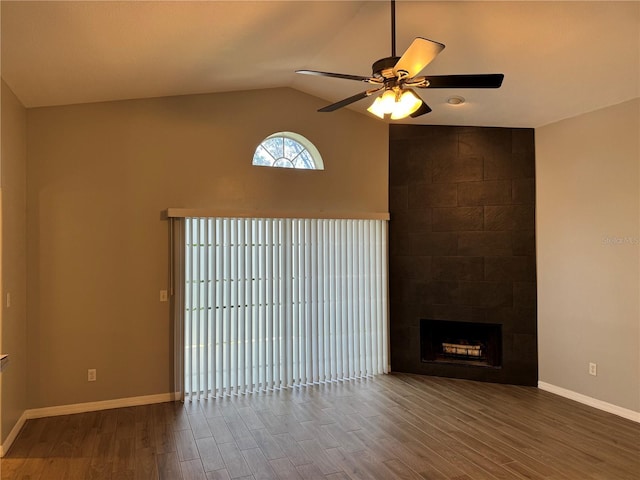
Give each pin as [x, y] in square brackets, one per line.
[388, 427]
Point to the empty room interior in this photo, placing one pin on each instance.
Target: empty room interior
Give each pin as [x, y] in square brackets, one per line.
[320, 239]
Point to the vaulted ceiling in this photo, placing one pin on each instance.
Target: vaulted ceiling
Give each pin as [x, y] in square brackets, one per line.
[559, 59]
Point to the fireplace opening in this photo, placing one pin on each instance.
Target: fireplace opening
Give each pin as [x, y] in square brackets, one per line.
[474, 344]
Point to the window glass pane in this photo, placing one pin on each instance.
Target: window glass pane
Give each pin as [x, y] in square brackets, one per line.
[274, 147]
[305, 160]
[262, 157]
[283, 162]
[292, 148]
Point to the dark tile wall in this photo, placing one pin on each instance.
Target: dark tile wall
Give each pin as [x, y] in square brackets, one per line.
[462, 242]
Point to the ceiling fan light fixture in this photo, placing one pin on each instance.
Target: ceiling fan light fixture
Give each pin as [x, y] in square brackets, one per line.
[396, 103]
[406, 105]
[383, 104]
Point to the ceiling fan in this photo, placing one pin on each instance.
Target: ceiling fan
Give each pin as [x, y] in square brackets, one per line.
[395, 77]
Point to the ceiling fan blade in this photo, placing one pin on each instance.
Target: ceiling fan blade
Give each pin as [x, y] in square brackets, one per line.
[488, 80]
[424, 108]
[419, 54]
[335, 75]
[345, 102]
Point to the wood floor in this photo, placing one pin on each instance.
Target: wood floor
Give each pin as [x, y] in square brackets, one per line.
[389, 427]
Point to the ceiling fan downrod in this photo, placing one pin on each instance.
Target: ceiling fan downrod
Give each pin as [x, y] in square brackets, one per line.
[393, 28]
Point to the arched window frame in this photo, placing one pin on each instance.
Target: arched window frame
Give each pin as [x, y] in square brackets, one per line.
[304, 156]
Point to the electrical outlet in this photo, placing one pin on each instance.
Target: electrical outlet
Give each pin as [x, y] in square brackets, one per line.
[593, 369]
[91, 375]
[163, 296]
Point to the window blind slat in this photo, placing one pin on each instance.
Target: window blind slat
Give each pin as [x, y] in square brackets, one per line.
[353, 291]
[241, 305]
[219, 310]
[235, 305]
[313, 274]
[344, 317]
[252, 298]
[262, 338]
[277, 308]
[307, 332]
[188, 379]
[268, 303]
[325, 310]
[205, 304]
[288, 309]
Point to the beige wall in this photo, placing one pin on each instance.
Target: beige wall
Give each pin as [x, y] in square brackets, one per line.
[13, 320]
[99, 176]
[588, 175]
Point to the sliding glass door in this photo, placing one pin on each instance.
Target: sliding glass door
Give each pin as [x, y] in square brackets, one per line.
[275, 303]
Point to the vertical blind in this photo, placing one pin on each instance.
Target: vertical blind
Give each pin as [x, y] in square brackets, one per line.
[275, 303]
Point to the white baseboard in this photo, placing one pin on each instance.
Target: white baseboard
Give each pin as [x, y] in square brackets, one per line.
[82, 408]
[592, 402]
[101, 405]
[13, 434]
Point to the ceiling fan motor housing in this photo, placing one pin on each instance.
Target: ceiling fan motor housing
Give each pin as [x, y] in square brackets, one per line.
[383, 68]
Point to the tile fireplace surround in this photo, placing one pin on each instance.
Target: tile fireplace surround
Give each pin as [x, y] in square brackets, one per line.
[462, 244]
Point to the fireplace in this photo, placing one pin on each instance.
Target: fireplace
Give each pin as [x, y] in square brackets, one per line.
[462, 250]
[463, 343]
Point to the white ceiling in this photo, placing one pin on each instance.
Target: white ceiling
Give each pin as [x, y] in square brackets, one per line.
[560, 59]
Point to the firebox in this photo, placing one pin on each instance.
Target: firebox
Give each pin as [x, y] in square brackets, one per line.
[473, 344]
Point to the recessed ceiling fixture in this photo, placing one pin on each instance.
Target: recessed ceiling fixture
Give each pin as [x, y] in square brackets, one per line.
[395, 77]
[455, 100]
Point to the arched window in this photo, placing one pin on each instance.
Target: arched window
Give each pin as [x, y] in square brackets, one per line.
[288, 150]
